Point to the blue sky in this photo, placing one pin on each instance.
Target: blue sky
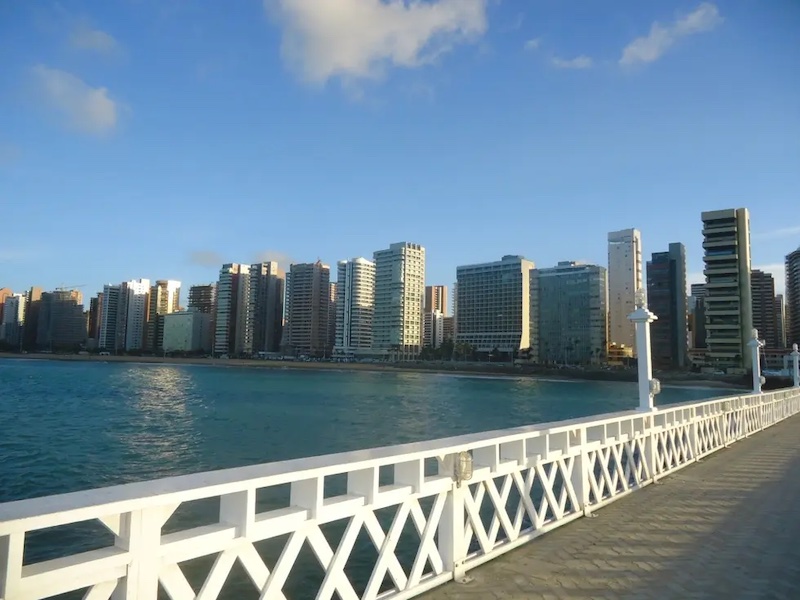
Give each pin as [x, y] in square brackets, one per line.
[159, 138]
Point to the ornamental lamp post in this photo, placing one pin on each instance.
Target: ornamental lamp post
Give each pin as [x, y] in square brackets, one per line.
[648, 386]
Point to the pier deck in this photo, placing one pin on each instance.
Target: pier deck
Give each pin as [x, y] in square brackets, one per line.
[727, 527]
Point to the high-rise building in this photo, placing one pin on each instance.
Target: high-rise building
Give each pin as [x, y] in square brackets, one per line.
[109, 316]
[4, 293]
[494, 307]
[233, 290]
[728, 302]
[135, 302]
[793, 298]
[11, 327]
[436, 299]
[697, 316]
[355, 307]
[399, 297]
[448, 329]
[203, 299]
[164, 299]
[30, 330]
[332, 312]
[433, 329]
[62, 324]
[666, 297]
[309, 295]
[184, 331]
[95, 308]
[568, 303]
[265, 308]
[780, 319]
[765, 319]
[624, 279]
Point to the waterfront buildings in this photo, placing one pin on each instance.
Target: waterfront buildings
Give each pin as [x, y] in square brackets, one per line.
[11, 326]
[62, 323]
[399, 297]
[135, 304]
[203, 299]
[93, 326]
[355, 307]
[109, 312]
[436, 299]
[164, 299]
[793, 298]
[449, 328]
[264, 327]
[332, 311]
[185, 331]
[765, 318]
[728, 301]
[231, 317]
[308, 308]
[433, 329]
[666, 298]
[570, 310]
[33, 302]
[624, 279]
[494, 305]
[4, 293]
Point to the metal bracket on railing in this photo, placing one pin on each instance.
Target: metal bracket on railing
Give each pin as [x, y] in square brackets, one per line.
[462, 467]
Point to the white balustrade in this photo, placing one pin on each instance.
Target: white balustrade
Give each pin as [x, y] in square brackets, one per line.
[512, 486]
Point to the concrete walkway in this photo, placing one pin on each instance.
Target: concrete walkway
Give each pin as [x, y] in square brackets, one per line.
[727, 527]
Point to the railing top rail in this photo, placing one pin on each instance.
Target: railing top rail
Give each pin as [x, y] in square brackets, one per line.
[75, 506]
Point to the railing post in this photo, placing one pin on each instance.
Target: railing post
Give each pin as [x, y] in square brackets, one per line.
[140, 534]
[11, 550]
[452, 532]
[651, 446]
[648, 387]
[580, 474]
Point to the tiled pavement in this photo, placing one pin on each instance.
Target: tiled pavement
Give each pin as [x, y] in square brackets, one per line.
[727, 527]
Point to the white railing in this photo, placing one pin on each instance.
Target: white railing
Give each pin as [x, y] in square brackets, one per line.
[418, 524]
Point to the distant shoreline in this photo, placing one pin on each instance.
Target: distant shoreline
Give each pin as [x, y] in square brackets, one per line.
[445, 368]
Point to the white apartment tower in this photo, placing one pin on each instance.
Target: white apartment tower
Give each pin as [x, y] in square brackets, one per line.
[136, 298]
[233, 290]
[729, 298]
[13, 319]
[399, 300]
[624, 279]
[494, 305]
[355, 307]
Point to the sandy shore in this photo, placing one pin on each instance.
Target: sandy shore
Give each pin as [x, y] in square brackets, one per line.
[483, 369]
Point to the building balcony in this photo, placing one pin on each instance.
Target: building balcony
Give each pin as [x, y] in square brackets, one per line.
[712, 270]
[721, 242]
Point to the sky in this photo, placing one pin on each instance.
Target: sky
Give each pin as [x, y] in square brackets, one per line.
[161, 138]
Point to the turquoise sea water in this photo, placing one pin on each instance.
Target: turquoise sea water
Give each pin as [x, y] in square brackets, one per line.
[68, 426]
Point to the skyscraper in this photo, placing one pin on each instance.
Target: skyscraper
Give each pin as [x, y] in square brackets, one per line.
[568, 304]
[11, 327]
[332, 312]
[436, 299]
[233, 290]
[95, 308]
[62, 324]
[4, 293]
[793, 298]
[666, 297]
[203, 299]
[265, 308]
[765, 319]
[109, 315]
[30, 330]
[697, 315]
[399, 297]
[309, 307]
[164, 299]
[624, 279]
[780, 317]
[494, 306]
[728, 303]
[136, 302]
[355, 307]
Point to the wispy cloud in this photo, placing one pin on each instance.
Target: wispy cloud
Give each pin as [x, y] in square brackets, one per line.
[84, 37]
[82, 107]
[652, 46]
[778, 233]
[206, 258]
[532, 44]
[579, 62]
[359, 39]
[283, 259]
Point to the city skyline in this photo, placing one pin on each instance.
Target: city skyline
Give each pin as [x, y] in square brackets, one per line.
[578, 127]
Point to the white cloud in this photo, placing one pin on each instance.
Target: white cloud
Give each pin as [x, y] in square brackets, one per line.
[579, 62]
[83, 108]
[83, 37]
[651, 47]
[533, 44]
[358, 39]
